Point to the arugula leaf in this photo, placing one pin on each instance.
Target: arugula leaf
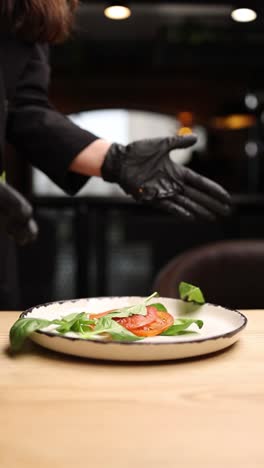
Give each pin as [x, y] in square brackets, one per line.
[180, 325]
[191, 293]
[71, 317]
[108, 326]
[138, 309]
[155, 294]
[159, 307]
[24, 327]
[3, 177]
[82, 326]
[72, 322]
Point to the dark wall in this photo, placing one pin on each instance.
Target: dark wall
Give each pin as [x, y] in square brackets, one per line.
[106, 247]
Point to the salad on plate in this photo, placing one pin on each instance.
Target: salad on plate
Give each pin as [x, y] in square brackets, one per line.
[125, 324]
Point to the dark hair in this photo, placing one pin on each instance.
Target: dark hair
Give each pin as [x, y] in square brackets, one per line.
[38, 20]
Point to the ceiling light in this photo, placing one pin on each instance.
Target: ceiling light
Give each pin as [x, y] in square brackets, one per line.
[117, 11]
[243, 15]
[251, 149]
[251, 101]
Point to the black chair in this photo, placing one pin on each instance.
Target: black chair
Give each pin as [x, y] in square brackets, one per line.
[229, 273]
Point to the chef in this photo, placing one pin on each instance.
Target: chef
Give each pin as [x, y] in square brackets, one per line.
[67, 154]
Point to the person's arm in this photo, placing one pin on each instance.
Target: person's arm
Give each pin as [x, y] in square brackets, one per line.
[90, 160]
[70, 155]
[46, 138]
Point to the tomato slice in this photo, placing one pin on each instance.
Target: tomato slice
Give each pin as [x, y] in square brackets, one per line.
[134, 321]
[152, 324]
[164, 320]
[137, 321]
[102, 314]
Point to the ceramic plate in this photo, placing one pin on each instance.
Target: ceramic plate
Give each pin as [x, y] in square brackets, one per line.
[222, 327]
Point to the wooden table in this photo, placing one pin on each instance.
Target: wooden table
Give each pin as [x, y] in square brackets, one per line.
[60, 412]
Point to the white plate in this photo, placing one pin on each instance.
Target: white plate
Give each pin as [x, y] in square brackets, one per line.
[222, 327]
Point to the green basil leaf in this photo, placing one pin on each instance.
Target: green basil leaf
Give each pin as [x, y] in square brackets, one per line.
[72, 317]
[82, 325]
[23, 328]
[3, 177]
[72, 322]
[85, 327]
[187, 332]
[180, 325]
[105, 325]
[139, 309]
[159, 307]
[191, 293]
[155, 294]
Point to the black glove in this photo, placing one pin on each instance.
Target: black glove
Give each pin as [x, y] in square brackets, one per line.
[16, 215]
[144, 170]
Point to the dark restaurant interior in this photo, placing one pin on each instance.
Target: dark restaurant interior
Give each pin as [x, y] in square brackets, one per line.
[170, 65]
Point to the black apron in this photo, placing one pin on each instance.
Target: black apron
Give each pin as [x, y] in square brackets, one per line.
[40, 134]
[9, 288]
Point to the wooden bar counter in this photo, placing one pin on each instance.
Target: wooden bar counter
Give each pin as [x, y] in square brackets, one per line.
[58, 411]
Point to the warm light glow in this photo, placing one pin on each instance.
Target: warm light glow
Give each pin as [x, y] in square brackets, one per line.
[243, 15]
[186, 118]
[117, 12]
[234, 122]
[184, 131]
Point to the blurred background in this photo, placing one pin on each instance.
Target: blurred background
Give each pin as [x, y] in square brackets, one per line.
[168, 65]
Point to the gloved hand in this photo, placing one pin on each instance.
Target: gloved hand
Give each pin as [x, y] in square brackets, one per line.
[144, 170]
[16, 215]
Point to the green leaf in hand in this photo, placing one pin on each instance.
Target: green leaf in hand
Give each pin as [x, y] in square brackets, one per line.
[180, 325]
[191, 293]
[22, 328]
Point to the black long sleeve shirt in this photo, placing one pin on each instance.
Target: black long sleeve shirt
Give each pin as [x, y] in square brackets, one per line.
[40, 134]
